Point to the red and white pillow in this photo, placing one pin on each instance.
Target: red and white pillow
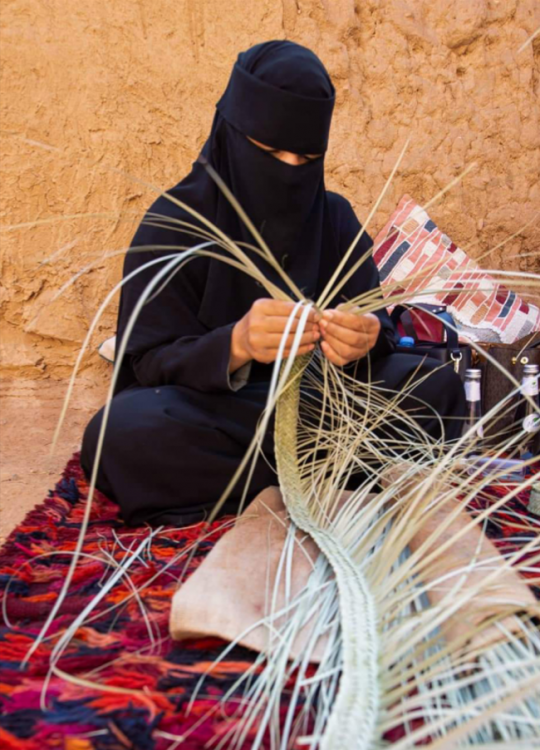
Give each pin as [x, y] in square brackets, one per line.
[414, 257]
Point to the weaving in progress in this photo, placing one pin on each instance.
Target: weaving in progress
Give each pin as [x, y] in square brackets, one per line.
[357, 490]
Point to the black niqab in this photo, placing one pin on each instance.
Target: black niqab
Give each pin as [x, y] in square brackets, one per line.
[280, 94]
[266, 99]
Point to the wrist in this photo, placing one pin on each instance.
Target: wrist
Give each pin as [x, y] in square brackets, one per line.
[239, 353]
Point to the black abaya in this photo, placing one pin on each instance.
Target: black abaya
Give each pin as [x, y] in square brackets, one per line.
[179, 423]
[170, 451]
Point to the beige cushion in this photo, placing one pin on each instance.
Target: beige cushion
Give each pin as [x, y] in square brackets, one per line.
[107, 349]
[230, 591]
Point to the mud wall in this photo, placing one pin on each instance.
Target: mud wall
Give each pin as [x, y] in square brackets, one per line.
[100, 98]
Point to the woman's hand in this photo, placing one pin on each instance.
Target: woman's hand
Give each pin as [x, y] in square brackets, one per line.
[347, 336]
[258, 334]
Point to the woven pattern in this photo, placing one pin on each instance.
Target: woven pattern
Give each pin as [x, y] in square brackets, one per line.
[412, 253]
[117, 644]
[356, 706]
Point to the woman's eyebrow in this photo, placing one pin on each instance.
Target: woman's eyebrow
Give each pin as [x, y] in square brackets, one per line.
[272, 150]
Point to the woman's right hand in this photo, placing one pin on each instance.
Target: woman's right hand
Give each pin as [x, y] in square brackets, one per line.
[258, 334]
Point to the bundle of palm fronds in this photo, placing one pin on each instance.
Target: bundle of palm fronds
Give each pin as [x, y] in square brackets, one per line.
[415, 620]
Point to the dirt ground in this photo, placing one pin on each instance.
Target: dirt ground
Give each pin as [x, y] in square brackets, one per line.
[28, 415]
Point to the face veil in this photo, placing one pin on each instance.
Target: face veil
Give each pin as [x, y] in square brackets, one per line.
[280, 94]
[280, 198]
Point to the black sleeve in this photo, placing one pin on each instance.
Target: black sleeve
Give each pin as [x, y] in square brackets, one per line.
[199, 361]
[366, 278]
[169, 345]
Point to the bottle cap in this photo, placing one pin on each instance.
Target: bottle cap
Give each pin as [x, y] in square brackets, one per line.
[406, 341]
[473, 373]
[531, 369]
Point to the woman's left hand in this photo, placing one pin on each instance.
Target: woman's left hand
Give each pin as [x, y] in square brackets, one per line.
[347, 336]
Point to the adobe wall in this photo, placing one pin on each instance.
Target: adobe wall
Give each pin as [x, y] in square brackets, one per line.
[100, 98]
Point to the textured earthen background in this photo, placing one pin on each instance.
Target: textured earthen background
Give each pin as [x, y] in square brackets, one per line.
[99, 98]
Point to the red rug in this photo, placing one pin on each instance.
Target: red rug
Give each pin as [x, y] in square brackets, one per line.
[115, 648]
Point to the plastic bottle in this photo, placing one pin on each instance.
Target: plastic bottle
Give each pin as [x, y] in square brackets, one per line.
[527, 416]
[473, 378]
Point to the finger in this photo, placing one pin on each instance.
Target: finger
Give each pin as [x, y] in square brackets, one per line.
[283, 309]
[345, 335]
[331, 354]
[273, 340]
[275, 324]
[345, 351]
[362, 323]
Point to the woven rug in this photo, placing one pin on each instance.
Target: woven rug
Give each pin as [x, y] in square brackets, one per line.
[115, 648]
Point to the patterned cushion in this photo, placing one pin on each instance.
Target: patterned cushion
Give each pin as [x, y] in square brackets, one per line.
[411, 245]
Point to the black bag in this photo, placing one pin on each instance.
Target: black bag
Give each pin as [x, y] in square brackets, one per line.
[496, 386]
[450, 352]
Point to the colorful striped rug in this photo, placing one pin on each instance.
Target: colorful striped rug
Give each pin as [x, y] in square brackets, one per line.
[124, 644]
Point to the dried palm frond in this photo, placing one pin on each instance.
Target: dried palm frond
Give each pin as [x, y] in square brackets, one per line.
[382, 596]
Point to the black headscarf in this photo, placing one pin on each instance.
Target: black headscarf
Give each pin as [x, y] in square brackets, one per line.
[280, 94]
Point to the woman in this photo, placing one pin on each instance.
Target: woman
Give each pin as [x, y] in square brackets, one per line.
[197, 366]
